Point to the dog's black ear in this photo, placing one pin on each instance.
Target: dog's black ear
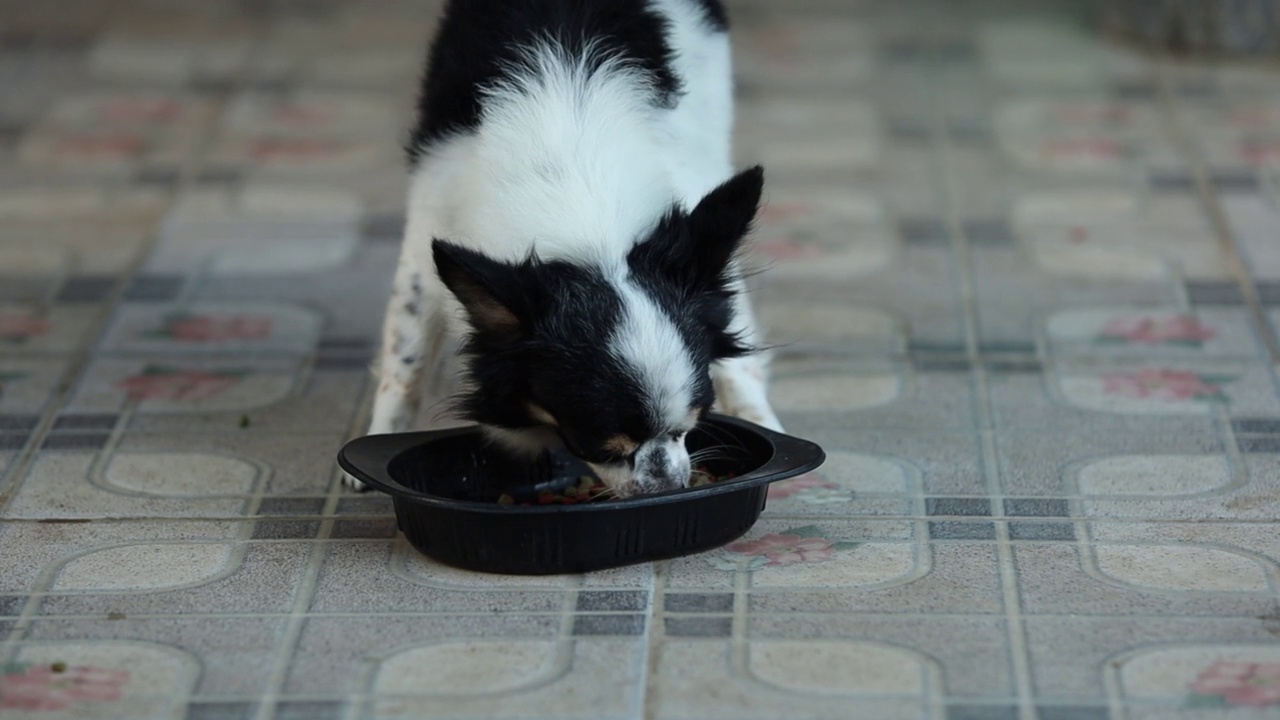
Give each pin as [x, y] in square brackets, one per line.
[723, 218]
[489, 290]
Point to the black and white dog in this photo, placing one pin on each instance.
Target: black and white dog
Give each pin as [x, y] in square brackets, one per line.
[574, 217]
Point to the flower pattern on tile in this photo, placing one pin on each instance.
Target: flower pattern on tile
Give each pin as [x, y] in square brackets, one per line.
[801, 486]
[1181, 330]
[57, 687]
[140, 110]
[1260, 152]
[797, 246]
[99, 147]
[797, 545]
[17, 329]
[214, 328]
[1229, 683]
[1167, 385]
[157, 382]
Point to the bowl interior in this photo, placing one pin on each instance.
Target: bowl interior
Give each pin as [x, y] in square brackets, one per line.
[468, 467]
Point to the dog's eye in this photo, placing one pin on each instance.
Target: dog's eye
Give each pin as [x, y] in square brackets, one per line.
[677, 436]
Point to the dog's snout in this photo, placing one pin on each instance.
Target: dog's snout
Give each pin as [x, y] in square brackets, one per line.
[662, 466]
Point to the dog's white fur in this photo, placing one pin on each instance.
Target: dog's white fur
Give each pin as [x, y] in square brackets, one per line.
[577, 164]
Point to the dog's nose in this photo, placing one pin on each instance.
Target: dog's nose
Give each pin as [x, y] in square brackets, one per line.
[659, 469]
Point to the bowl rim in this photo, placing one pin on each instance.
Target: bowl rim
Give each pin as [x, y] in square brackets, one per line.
[366, 458]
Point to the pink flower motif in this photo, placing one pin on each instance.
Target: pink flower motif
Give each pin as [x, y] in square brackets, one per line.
[1240, 683]
[17, 328]
[39, 687]
[101, 146]
[788, 249]
[1170, 385]
[786, 549]
[796, 485]
[133, 110]
[1157, 331]
[1260, 152]
[1092, 114]
[778, 212]
[304, 114]
[209, 328]
[1250, 117]
[174, 384]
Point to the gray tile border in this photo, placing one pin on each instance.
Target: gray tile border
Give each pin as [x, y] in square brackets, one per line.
[82, 421]
[1037, 507]
[1073, 712]
[957, 506]
[285, 529]
[703, 626]
[310, 710]
[11, 605]
[1019, 530]
[382, 228]
[154, 288]
[1259, 444]
[291, 506]
[1014, 365]
[612, 600]
[1248, 426]
[364, 528]
[982, 712]
[629, 624]
[1214, 293]
[926, 364]
[13, 442]
[329, 363]
[958, 530]
[922, 231]
[216, 176]
[988, 231]
[220, 711]
[86, 289]
[18, 423]
[370, 503]
[697, 602]
[76, 441]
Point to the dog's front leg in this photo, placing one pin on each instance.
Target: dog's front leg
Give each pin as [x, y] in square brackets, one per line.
[414, 334]
[742, 388]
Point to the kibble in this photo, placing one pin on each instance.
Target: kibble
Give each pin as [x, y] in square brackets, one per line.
[589, 489]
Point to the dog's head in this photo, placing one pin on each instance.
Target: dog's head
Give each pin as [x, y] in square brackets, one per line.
[611, 360]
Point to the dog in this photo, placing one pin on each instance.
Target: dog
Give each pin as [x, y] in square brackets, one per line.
[575, 220]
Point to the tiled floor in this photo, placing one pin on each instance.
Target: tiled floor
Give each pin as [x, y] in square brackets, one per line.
[1029, 289]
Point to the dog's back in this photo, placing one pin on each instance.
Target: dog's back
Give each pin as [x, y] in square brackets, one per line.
[571, 191]
[569, 123]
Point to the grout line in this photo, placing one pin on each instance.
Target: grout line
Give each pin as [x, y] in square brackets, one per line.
[963, 272]
[657, 636]
[1200, 173]
[304, 593]
[1249, 616]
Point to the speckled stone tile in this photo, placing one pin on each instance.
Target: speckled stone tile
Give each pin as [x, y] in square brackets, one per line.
[994, 289]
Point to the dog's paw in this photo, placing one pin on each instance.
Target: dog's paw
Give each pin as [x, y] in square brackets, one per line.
[350, 482]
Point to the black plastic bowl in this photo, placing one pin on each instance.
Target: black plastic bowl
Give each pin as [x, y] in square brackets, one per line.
[446, 483]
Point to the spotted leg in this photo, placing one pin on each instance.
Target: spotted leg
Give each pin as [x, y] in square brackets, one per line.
[414, 335]
[742, 383]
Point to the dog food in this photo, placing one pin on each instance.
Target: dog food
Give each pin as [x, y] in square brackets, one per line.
[589, 489]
